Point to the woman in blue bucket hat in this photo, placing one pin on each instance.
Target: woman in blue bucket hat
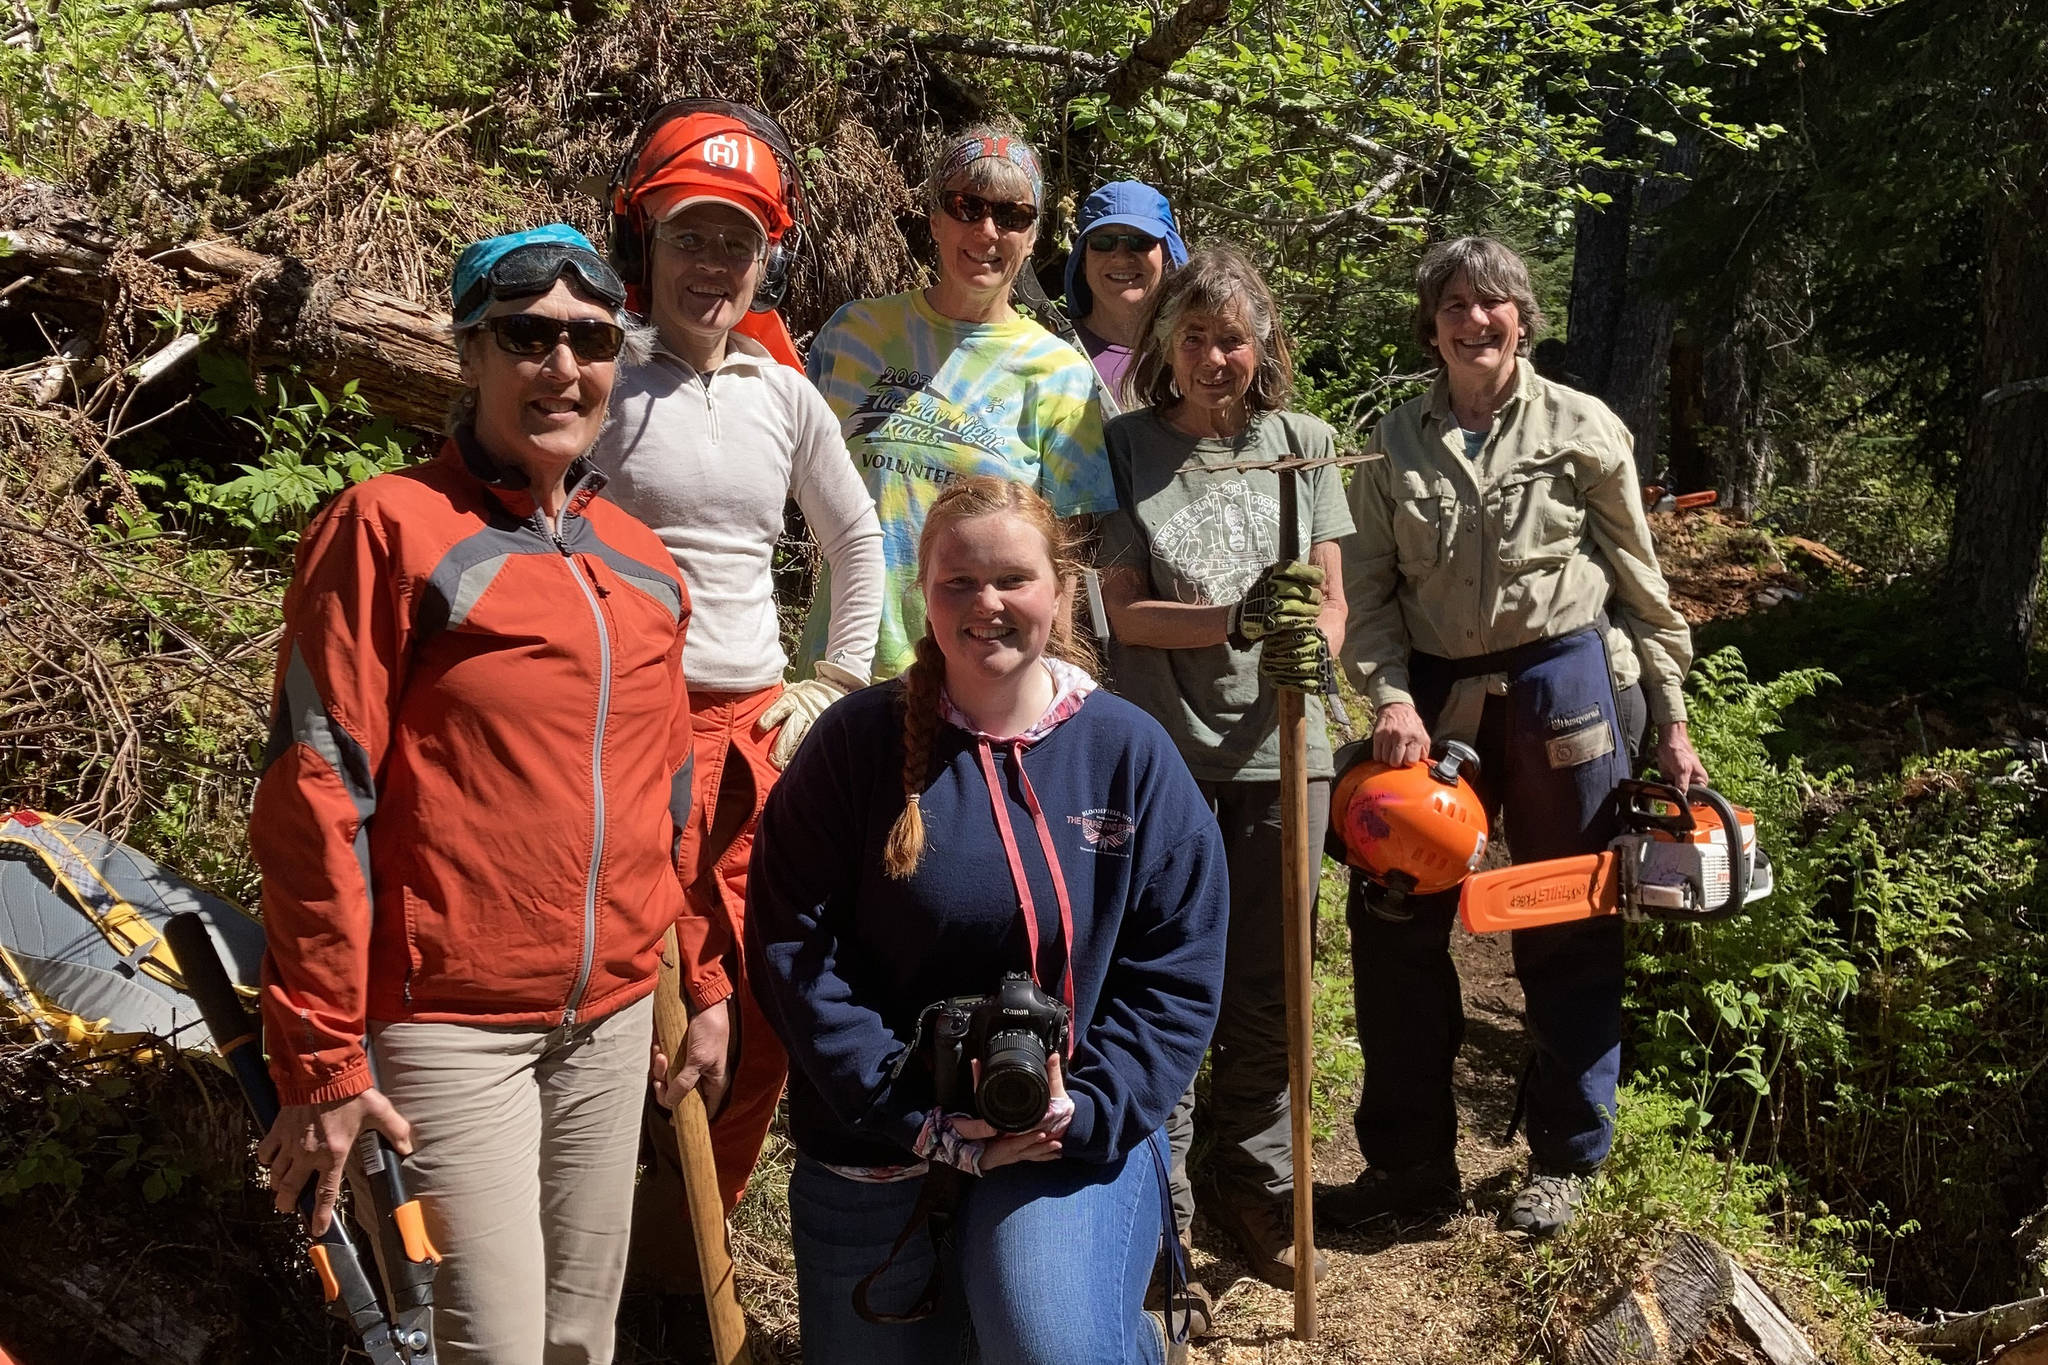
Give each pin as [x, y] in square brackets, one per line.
[1125, 243]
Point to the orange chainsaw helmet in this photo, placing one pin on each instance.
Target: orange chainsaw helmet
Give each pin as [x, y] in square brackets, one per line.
[1415, 829]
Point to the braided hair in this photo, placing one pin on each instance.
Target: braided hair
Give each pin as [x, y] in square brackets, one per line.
[980, 496]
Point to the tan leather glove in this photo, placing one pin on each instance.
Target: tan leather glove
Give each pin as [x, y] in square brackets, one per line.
[800, 705]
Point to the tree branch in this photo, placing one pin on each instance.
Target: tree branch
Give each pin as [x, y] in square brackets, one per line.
[1297, 116]
[1151, 60]
[2014, 390]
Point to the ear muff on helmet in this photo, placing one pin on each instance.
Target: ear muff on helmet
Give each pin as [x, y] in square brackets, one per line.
[1414, 830]
[628, 239]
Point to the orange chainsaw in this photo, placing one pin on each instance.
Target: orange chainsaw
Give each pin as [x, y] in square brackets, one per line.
[1673, 861]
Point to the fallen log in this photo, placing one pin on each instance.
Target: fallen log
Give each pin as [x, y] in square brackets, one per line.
[1656, 1320]
[2031, 1349]
[1973, 1336]
[1766, 1324]
[274, 309]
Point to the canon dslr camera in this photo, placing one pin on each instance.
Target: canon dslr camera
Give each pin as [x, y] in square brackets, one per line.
[1011, 1031]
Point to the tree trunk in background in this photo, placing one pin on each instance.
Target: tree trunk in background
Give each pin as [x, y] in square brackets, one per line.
[1740, 461]
[1994, 562]
[1620, 339]
[1642, 334]
[1691, 463]
[1600, 268]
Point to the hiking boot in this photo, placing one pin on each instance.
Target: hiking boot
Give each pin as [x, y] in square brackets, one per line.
[1263, 1226]
[1176, 1352]
[1428, 1189]
[1194, 1300]
[1549, 1201]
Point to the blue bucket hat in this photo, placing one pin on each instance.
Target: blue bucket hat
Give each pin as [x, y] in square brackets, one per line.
[1122, 203]
[521, 265]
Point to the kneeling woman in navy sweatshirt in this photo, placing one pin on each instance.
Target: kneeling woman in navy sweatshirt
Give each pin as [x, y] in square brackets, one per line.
[988, 812]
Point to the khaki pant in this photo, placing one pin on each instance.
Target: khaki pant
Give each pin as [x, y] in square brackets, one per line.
[523, 1152]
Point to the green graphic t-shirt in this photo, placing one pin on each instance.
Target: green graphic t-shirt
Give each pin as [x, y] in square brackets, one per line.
[1198, 531]
[924, 400]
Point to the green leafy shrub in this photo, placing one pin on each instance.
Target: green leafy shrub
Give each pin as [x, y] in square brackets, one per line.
[310, 448]
[1870, 1028]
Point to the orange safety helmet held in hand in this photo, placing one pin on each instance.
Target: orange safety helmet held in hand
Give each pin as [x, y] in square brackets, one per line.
[1415, 829]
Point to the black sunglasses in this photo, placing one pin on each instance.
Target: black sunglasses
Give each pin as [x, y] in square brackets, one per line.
[1137, 243]
[531, 334]
[1010, 215]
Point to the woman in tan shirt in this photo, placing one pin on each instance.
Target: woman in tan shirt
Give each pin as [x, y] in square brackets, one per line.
[1499, 520]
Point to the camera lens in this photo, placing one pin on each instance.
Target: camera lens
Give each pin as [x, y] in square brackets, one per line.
[1014, 1090]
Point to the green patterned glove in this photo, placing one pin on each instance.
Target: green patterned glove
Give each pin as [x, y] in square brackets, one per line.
[1282, 597]
[1297, 659]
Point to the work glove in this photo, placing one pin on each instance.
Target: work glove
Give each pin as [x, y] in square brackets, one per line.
[800, 705]
[1282, 597]
[1297, 659]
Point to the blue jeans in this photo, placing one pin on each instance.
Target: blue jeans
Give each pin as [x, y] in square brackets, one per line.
[1046, 1265]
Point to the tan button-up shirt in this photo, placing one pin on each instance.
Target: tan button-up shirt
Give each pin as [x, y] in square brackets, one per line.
[1457, 557]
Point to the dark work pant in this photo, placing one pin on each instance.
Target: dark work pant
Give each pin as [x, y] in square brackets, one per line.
[1411, 1020]
[1247, 1110]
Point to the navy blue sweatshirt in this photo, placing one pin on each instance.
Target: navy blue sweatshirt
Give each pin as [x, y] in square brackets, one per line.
[843, 959]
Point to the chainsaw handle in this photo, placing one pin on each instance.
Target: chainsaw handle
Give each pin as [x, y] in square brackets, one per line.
[1738, 866]
[1639, 797]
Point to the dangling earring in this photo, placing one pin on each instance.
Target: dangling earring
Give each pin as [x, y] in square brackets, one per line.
[1173, 388]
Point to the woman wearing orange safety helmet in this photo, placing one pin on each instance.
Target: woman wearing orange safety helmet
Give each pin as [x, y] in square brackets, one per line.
[1497, 518]
[709, 440]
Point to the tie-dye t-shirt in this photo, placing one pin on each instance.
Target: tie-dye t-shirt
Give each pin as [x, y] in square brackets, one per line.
[924, 400]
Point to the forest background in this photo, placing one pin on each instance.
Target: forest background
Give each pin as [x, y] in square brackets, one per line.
[1802, 248]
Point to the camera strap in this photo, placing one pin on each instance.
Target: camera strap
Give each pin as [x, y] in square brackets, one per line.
[1177, 1268]
[1025, 904]
[938, 1200]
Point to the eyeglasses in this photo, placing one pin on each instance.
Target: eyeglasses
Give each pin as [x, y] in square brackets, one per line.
[736, 249]
[1137, 243]
[1010, 215]
[531, 334]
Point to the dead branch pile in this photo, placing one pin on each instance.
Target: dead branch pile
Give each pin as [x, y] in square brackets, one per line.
[134, 674]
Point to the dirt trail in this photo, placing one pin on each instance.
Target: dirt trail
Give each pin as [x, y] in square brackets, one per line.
[1387, 1296]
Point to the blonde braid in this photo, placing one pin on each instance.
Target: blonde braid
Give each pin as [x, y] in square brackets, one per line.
[920, 726]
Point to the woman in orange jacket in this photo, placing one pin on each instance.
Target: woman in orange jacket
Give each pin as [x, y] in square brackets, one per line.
[468, 822]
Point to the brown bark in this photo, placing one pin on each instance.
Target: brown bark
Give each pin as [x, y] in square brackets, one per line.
[1151, 59]
[1994, 564]
[1642, 335]
[1600, 268]
[1690, 466]
[1620, 339]
[272, 308]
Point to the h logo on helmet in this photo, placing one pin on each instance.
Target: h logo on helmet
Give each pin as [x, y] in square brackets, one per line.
[729, 151]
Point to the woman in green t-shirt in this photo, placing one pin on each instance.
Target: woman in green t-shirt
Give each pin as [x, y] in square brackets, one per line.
[1211, 617]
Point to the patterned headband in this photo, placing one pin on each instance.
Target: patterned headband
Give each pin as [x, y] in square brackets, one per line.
[1015, 150]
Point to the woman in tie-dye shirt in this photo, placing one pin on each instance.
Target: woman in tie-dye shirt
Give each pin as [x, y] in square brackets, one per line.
[940, 383]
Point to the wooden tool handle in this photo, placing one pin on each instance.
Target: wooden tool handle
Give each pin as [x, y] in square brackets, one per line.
[700, 1172]
[1297, 886]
